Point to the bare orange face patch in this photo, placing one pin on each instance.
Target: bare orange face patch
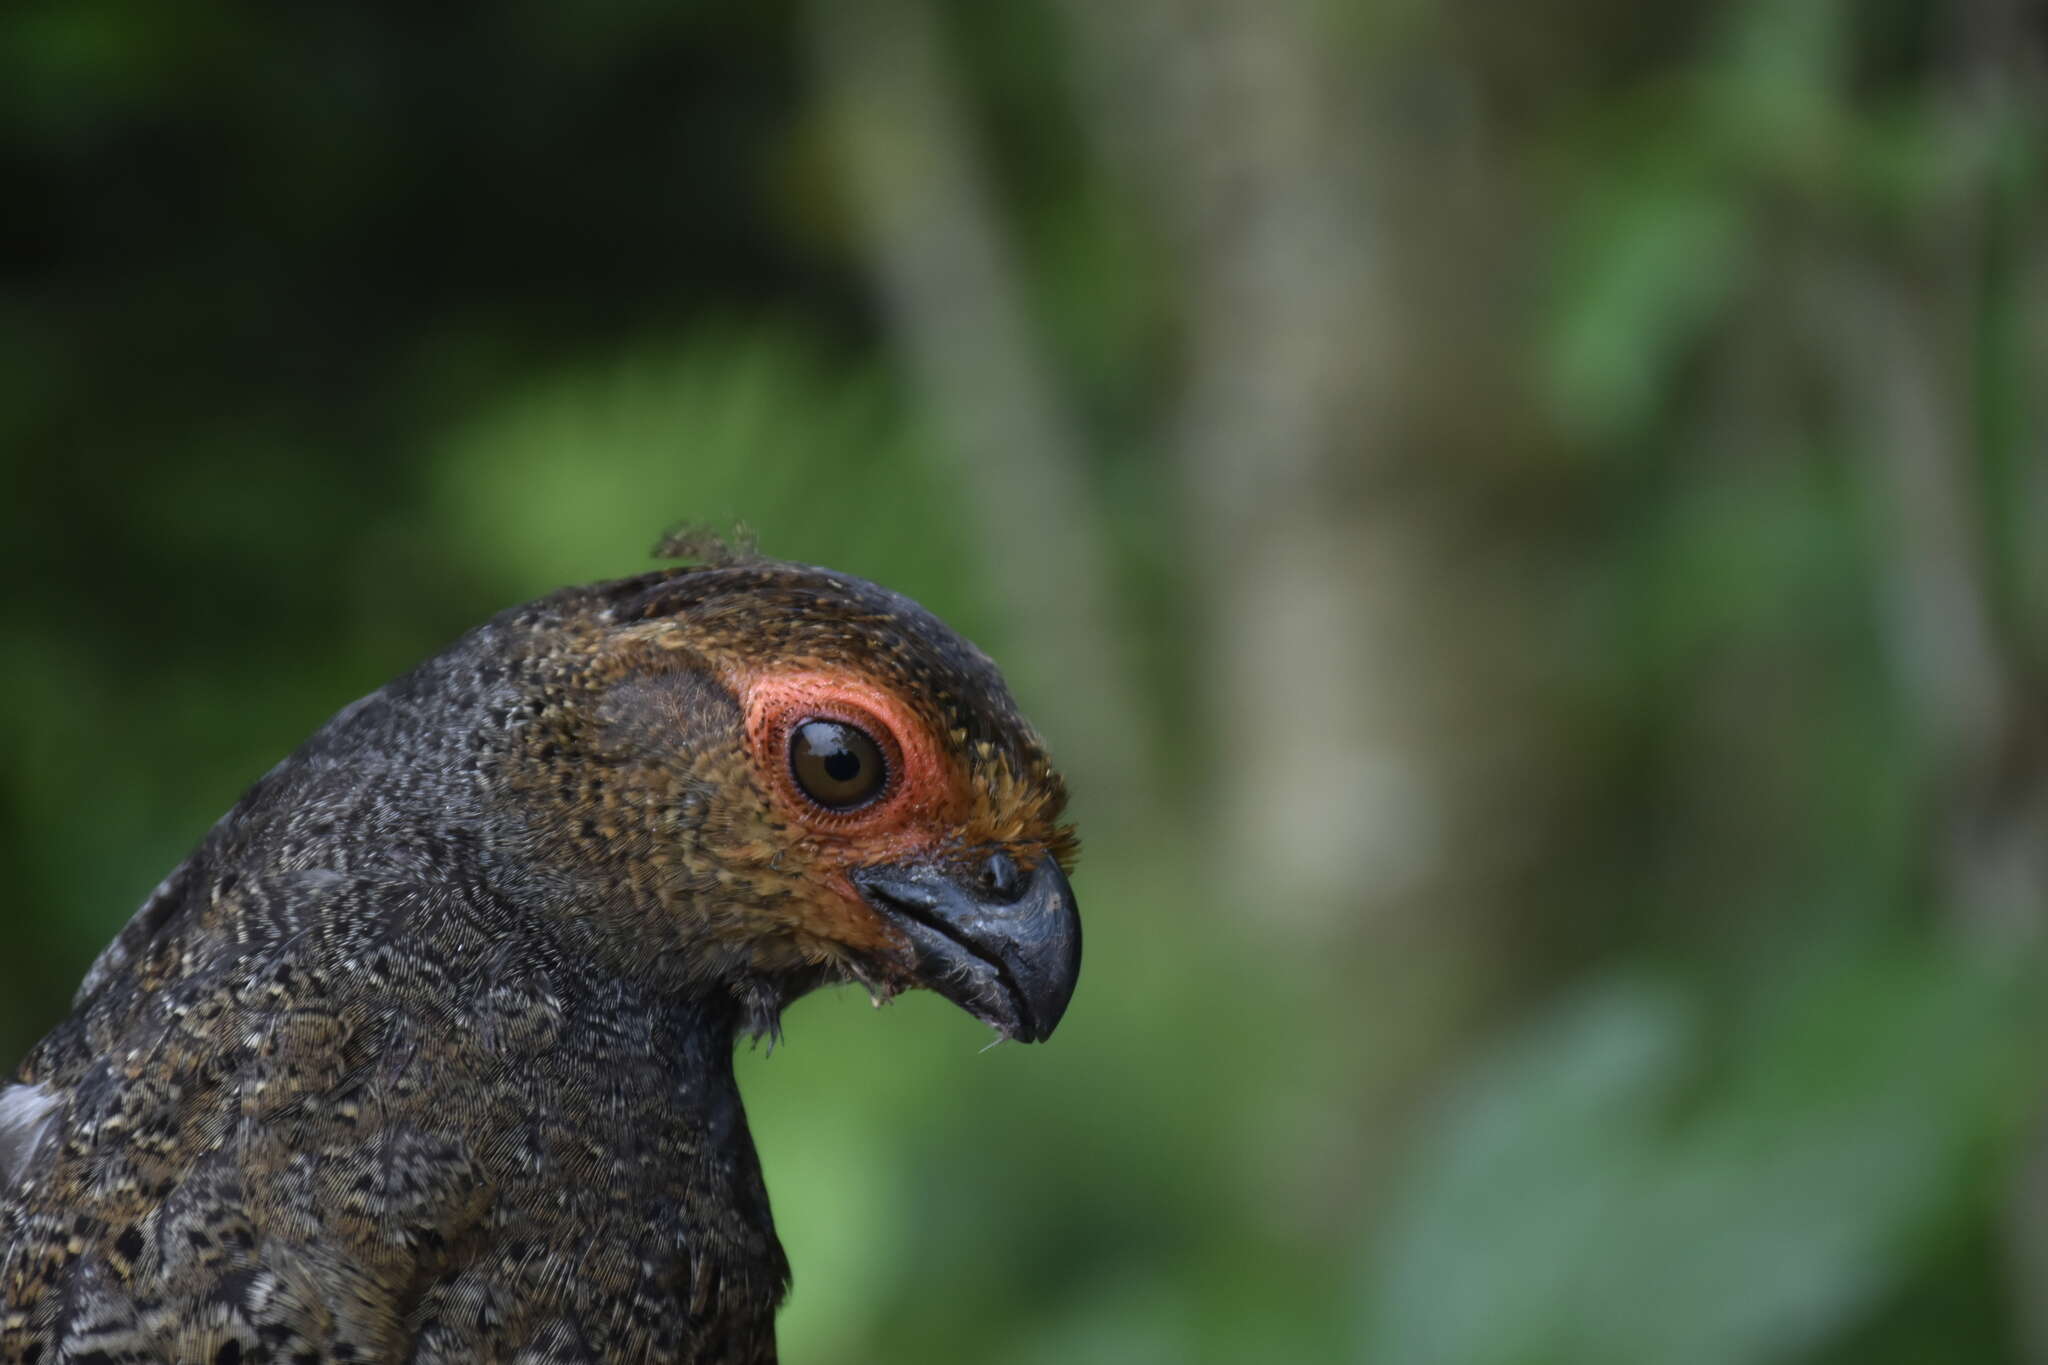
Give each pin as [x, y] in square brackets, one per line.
[924, 793]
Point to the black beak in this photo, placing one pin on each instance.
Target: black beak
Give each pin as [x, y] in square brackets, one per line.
[1001, 942]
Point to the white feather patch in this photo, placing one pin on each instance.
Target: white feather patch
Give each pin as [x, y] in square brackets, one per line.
[26, 1113]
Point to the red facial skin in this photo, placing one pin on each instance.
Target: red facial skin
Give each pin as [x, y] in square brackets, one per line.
[925, 805]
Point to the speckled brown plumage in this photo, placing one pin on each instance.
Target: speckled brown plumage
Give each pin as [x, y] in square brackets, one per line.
[425, 1053]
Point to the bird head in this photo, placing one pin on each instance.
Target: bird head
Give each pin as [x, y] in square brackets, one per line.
[760, 777]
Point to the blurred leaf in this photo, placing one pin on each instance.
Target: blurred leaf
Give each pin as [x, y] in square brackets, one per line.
[1774, 88]
[1606, 1190]
[577, 476]
[1653, 257]
[1531, 1161]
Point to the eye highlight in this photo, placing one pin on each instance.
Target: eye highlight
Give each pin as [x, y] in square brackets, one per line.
[837, 765]
[847, 758]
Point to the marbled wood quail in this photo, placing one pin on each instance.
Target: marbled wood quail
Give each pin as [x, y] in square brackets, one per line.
[426, 1053]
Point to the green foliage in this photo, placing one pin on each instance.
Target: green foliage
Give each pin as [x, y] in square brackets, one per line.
[1606, 1188]
[763, 428]
[1653, 260]
[330, 333]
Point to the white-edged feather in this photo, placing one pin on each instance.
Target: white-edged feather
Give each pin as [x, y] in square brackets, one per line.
[26, 1113]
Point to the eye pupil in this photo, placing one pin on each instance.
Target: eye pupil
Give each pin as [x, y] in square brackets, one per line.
[837, 765]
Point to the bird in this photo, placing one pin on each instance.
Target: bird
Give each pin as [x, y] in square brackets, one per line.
[425, 1054]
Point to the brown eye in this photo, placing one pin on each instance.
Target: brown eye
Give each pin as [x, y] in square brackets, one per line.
[836, 765]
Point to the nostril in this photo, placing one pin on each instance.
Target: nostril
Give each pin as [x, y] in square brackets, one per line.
[1000, 876]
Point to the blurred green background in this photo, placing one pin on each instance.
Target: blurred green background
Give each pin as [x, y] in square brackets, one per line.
[1527, 526]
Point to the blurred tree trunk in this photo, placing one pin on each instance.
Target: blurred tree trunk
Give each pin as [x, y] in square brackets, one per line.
[1301, 533]
[947, 277]
[1907, 353]
[1366, 645]
[1912, 337]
